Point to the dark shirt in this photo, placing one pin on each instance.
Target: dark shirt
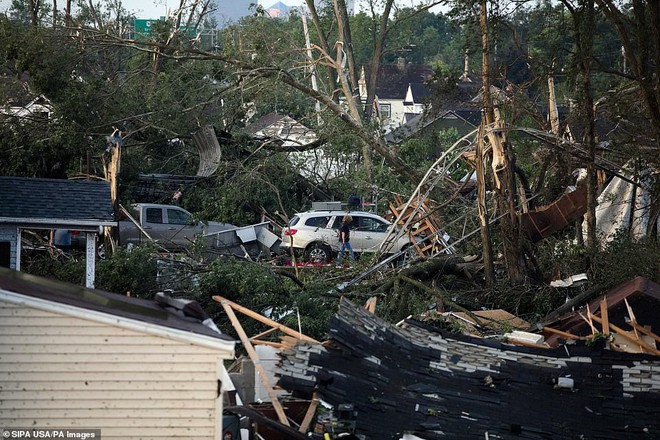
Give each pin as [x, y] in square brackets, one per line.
[344, 229]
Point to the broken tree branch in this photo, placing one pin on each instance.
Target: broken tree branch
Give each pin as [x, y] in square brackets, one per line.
[444, 297]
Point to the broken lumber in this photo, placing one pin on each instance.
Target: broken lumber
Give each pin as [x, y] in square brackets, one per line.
[625, 335]
[263, 376]
[263, 319]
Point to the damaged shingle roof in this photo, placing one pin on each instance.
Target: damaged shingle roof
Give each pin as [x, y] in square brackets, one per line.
[419, 380]
[54, 199]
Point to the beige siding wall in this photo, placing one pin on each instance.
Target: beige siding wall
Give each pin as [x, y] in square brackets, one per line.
[65, 372]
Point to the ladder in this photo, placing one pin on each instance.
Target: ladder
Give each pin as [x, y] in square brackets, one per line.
[423, 228]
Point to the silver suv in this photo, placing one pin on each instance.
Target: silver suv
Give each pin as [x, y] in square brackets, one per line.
[314, 234]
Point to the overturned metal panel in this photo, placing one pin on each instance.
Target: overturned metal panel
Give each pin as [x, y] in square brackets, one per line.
[547, 220]
[209, 150]
[253, 241]
[417, 380]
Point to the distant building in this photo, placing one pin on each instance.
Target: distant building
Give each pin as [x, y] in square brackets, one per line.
[279, 10]
[230, 11]
[401, 91]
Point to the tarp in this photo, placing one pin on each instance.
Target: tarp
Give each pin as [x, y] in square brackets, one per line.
[625, 206]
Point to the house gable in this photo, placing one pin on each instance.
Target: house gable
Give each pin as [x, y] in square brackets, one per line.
[400, 90]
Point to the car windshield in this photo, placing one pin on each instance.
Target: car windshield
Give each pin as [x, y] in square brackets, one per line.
[294, 220]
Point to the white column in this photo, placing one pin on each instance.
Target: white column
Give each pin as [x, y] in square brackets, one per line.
[18, 249]
[90, 260]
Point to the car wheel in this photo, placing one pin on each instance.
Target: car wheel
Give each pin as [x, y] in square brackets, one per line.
[318, 253]
[100, 251]
[409, 255]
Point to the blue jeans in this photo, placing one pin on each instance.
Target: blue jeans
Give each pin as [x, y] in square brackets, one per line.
[342, 248]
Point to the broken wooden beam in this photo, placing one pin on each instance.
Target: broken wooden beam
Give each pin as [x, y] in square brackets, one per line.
[263, 319]
[565, 335]
[625, 335]
[309, 415]
[263, 376]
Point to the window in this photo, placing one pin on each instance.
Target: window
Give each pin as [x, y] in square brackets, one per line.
[154, 215]
[178, 217]
[385, 111]
[294, 221]
[318, 222]
[372, 225]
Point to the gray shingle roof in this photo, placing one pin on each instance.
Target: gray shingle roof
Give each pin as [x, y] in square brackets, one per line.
[393, 79]
[55, 199]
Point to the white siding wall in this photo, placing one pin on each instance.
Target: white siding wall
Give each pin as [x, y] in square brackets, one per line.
[64, 372]
[397, 109]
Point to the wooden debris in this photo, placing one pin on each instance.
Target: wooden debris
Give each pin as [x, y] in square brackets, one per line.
[255, 360]
[309, 415]
[276, 325]
[604, 316]
[565, 335]
[626, 335]
[370, 305]
[424, 229]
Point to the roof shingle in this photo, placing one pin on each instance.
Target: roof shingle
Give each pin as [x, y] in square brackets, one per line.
[32, 198]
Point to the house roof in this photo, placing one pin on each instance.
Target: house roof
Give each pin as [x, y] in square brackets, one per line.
[44, 292]
[32, 201]
[282, 130]
[394, 80]
[263, 122]
[419, 91]
[420, 122]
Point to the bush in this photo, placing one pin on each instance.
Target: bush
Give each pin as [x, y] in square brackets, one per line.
[625, 258]
[131, 270]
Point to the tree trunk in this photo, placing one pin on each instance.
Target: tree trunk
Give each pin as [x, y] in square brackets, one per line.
[34, 6]
[484, 228]
[503, 163]
[584, 25]
[67, 13]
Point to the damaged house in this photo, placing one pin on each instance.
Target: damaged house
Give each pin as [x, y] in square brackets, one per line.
[414, 381]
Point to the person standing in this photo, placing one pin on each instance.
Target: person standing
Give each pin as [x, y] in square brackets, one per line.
[60, 238]
[345, 239]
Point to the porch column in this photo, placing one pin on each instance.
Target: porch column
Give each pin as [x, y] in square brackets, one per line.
[18, 249]
[90, 266]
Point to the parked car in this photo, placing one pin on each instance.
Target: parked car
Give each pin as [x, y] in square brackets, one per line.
[172, 227]
[314, 234]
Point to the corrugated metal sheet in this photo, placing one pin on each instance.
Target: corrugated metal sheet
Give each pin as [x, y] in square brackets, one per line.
[209, 150]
